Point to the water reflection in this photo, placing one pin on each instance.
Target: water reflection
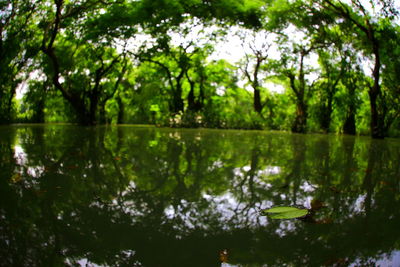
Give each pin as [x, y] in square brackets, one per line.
[125, 196]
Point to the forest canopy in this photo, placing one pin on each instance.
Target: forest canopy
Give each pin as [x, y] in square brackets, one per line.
[298, 65]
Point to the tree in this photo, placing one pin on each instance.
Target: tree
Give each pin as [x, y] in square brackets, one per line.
[332, 73]
[18, 44]
[368, 28]
[390, 75]
[354, 81]
[295, 69]
[81, 82]
[301, 34]
[181, 54]
[176, 69]
[257, 58]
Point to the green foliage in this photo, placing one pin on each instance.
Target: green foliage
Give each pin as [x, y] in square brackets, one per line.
[18, 45]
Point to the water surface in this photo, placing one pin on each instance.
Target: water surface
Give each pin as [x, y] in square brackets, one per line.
[135, 196]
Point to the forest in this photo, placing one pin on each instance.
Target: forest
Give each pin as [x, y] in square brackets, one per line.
[304, 66]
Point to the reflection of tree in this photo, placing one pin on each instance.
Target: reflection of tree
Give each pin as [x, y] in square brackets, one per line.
[157, 197]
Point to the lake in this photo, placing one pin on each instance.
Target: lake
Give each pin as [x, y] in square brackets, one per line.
[143, 196]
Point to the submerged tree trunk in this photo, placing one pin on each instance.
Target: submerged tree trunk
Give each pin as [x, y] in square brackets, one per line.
[195, 104]
[253, 79]
[177, 102]
[8, 88]
[375, 95]
[377, 119]
[121, 110]
[257, 101]
[39, 115]
[300, 122]
[326, 115]
[371, 31]
[102, 113]
[94, 99]
[299, 89]
[191, 97]
[177, 105]
[330, 89]
[349, 126]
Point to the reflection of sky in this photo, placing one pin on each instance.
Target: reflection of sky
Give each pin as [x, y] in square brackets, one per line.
[20, 156]
[387, 260]
[230, 209]
[269, 170]
[21, 159]
[392, 260]
[359, 204]
[82, 262]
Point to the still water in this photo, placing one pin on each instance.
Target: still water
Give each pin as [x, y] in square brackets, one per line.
[136, 196]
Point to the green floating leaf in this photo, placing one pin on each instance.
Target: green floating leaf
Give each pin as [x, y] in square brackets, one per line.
[285, 212]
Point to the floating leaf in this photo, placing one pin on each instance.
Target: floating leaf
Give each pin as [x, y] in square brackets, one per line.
[285, 212]
[223, 255]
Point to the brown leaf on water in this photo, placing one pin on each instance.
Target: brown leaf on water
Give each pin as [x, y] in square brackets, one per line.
[387, 185]
[316, 204]
[47, 168]
[223, 255]
[40, 193]
[384, 183]
[337, 262]
[16, 178]
[334, 189]
[72, 167]
[324, 221]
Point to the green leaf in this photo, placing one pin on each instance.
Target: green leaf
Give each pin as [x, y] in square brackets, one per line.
[285, 212]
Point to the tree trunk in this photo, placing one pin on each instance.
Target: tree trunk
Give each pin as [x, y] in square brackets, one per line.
[326, 116]
[121, 110]
[257, 100]
[177, 101]
[377, 120]
[94, 99]
[102, 113]
[300, 122]
[39, 111]
[191, 97]
[349, 126]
